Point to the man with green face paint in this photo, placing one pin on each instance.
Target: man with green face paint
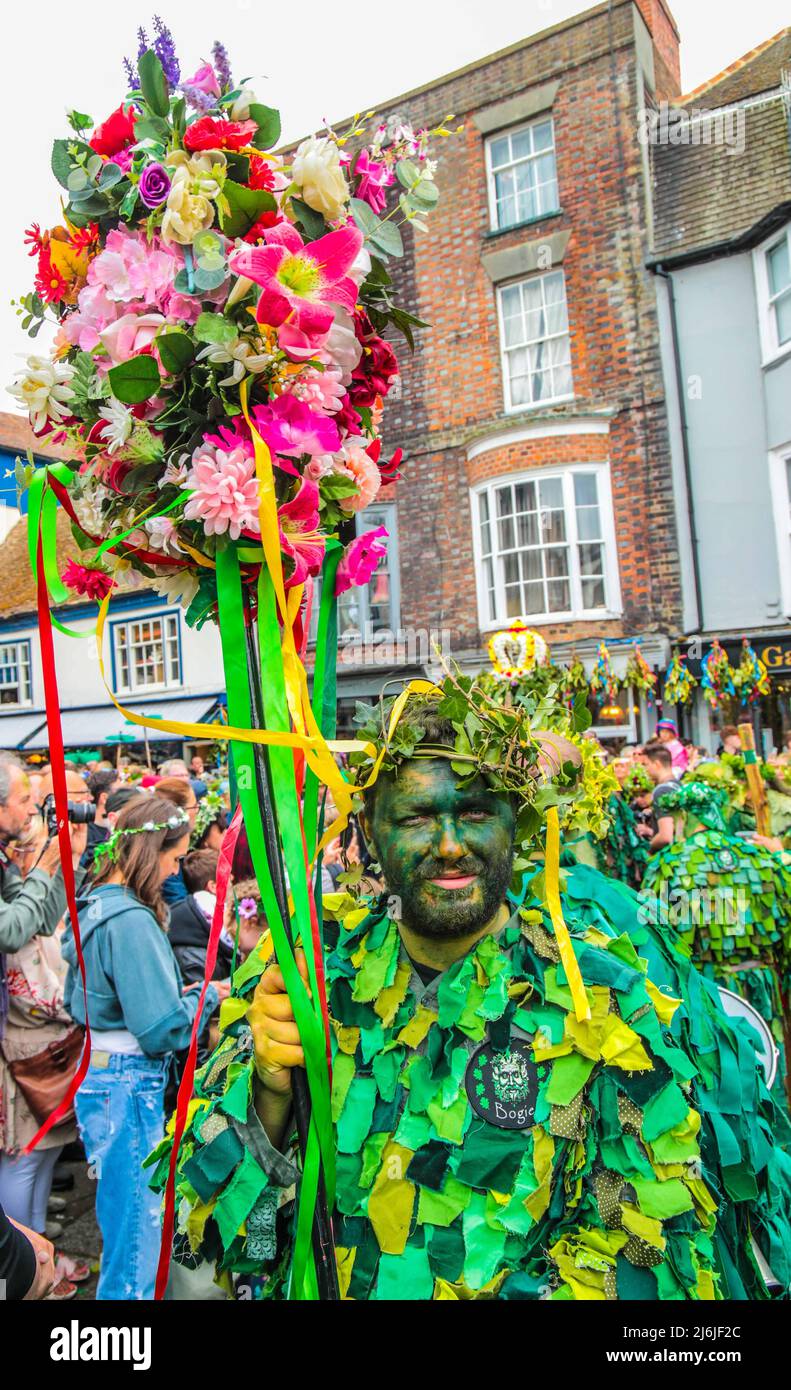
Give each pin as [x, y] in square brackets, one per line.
[489, 1143]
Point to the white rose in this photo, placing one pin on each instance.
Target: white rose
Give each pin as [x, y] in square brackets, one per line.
[240, 111]
[343, 345]
[317, 172]
[360, 268]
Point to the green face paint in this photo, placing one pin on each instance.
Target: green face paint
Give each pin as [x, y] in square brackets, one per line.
[446, 851]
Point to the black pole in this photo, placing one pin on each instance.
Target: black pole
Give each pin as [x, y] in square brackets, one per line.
[323, 1244]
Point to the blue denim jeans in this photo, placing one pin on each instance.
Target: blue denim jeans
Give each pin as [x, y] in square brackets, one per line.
[121, 1115]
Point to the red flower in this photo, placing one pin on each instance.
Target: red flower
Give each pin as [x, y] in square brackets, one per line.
[262, 175]
[387, 471]
[33, 239]
[115, 133]
[347, 418]
[95, 584]
[50, 284]
[374, 373]
[263, 224]
[211, 134]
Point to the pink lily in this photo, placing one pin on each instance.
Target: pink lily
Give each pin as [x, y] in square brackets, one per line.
[360, 559]
[301, 282]
[300, 540]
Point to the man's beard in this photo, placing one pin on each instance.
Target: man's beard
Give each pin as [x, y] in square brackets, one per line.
[439, 913]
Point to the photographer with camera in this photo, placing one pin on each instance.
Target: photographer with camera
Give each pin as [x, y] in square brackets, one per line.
[33, 906]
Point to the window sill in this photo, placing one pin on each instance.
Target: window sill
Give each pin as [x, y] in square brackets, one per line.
[599, 615]
[144, 690]
[495, 232]
[538, 405]
[778, 355]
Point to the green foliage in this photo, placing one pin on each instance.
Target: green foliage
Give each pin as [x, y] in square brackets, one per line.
[153, 84]
[268, 122]
[136, 380]
[176, 351]
[311, 222]
[244, 207]
[214, 328]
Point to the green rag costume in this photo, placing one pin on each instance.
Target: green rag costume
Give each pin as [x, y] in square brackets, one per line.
[491, 1146]
[738, 929]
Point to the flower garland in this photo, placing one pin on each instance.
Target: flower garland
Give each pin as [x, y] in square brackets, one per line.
[639, 675]
[108, 849]
[603, 682]
[208, 293]
[717, 676]
[751, 677]
[637, 781]
[679, 682]
[516, 651]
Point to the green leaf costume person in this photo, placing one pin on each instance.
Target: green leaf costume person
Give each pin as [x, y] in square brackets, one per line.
[730, 901]
[489, 1144]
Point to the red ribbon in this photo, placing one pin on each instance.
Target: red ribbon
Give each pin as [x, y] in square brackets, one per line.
[150, 556]
[224, 867]
[58, 758]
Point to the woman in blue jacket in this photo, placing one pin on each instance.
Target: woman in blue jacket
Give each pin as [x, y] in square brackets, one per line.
[140, 1015]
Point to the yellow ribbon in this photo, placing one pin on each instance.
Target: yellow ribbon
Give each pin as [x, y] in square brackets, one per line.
[552, 881]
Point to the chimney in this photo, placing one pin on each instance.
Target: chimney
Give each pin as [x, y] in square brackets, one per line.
[664, 32]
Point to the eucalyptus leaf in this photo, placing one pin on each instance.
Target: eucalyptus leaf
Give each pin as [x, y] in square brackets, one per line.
[215, 328]
[206, 280]
[364, 216]
[387, 239]
[135, 381]
[111, 175]
[407, 173]
[153, 84]
[183, 284]
[77, 180]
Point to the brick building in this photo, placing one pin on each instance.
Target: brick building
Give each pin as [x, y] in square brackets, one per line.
[538, 481]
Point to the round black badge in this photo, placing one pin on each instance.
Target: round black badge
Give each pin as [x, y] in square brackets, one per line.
[502, 1087]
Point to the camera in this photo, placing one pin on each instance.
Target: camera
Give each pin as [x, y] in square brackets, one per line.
[79, 813]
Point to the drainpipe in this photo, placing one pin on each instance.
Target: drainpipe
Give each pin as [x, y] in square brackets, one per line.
[668, 278]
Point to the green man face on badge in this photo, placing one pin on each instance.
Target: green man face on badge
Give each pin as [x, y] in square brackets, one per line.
[446, 851]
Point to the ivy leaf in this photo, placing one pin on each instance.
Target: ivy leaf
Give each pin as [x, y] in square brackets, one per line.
[245, 207]
[582, 717]
[175, 351]
[153, 85]
[135, 381]
[268, 122]
[214, 328]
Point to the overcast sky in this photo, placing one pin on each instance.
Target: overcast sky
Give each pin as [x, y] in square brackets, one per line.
[312, 59]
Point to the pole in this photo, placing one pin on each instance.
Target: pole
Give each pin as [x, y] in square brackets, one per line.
[323, 1244]
[755, 781]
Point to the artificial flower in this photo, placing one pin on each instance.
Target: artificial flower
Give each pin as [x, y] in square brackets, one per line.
[290, 427]
[240, 111]
[300, 540]
[242, 356]
[197, 180]
[377, 367]
[176, 585]
[44, 391]
[176, 471]
[211, 134]
[322, 391]
[95, 310]
[118, 427]
[374, 178]
[224, 491]
[205, 80]
[360, 558]
[115, 133]
[361, 467]
[389, 470]
[316, 171]
[132, 268]
[301, 282]
[94, 584]
[154, 185]
[129, 335]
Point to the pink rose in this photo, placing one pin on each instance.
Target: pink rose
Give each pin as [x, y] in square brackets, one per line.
[131, 334]
[205, 80]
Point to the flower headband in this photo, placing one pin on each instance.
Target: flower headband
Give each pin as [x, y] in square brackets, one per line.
[108, 850]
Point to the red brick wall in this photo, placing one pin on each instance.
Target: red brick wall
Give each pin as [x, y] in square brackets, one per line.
[452, 390]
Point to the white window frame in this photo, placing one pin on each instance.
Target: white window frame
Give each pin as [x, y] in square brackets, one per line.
[510, 131]
[779, 465]
[519, 408]
[771, 349]
[21, 645]
[376, 514]
[612, 589]
[170, 619]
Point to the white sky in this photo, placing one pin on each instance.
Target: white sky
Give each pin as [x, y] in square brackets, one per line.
[311, 59]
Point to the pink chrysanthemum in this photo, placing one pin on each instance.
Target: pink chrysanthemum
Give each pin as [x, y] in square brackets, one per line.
[93, 584]
[225, 491]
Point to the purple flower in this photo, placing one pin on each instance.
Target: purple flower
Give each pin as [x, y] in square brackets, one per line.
[154, 185]
[222, 65]
[132, 77]
[200, 101]
[165, 49]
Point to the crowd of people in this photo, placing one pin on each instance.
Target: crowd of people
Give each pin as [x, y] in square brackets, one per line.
[145, 866]
[145, 858]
